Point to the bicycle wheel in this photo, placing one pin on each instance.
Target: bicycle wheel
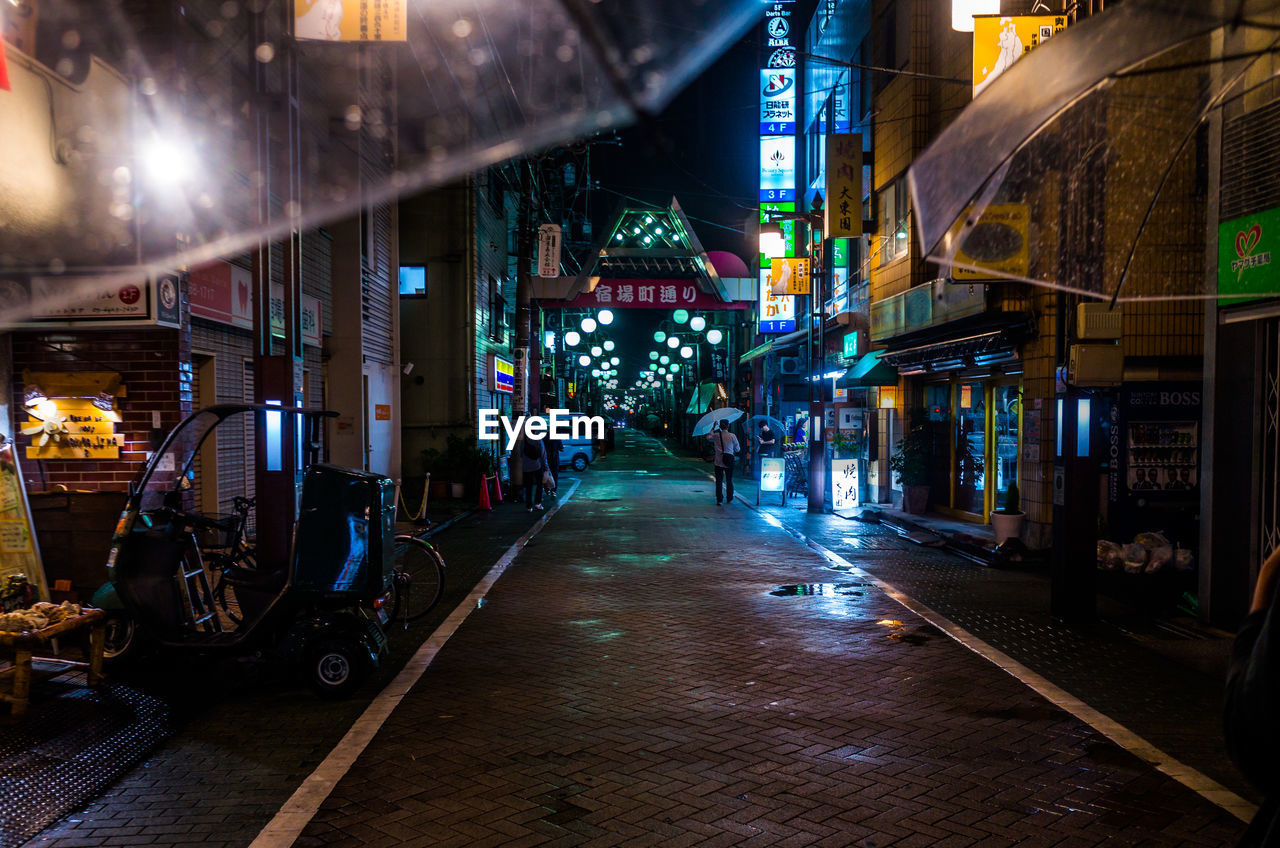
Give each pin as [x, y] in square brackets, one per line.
[225, 598]
[419, 578]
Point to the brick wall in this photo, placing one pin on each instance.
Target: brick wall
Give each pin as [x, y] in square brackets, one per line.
[154, 365]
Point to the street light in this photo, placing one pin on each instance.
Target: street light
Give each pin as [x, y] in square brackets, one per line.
[653, 354]
[772, 244]
[664, 359]
[584, 360]
[715, 336]
[596, 350]
[605, 316]
[697, 323]
[659, 337]
[571, 338]
[686, 352]
[613, 360]
[609, 345]
[680, 316]
[673, 342]
[588, 325]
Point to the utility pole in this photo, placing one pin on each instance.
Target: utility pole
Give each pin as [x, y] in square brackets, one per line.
[817, 362]
[524, 249]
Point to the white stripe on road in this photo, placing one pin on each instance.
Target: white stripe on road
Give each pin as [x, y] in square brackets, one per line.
[1196, 781]
[285, 827]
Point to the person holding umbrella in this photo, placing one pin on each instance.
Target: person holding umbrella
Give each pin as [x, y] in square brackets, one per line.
[727, 447]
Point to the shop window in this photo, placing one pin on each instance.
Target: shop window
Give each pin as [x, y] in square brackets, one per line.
[894, 219]
[413, 281]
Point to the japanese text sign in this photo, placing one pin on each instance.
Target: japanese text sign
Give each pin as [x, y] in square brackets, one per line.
[844, 186]
[790, 275]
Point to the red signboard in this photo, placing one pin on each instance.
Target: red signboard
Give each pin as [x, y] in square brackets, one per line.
[644, 294]
[222, 292]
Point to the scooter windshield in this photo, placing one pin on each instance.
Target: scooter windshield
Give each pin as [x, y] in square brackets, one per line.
[170, 475]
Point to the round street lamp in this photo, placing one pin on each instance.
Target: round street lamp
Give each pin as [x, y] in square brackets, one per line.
[715, 336]
[686, 352]
[596, 350]
[659, 336]
[697, 323]
[584, 360]
[595, 372]
[675, 369]
[670, 377]
[571, 338]
[609, 345]
[664, 359]
[653, 367]
[588, 325]
[606, 317]
[680, 316]
[653, 354]
[613, 360]
[673, 342]
[662, 370]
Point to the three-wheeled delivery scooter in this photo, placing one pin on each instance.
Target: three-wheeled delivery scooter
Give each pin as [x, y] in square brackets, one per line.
[325, 606]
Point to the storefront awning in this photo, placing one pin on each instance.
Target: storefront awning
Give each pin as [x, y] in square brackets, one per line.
[702, 398]
[991, 348]
[756, 352]
[868, 371]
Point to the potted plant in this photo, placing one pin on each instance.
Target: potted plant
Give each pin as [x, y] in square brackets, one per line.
[437, 466]
[845, 447]
[466, 463]
[911, 463]
[1007, 521]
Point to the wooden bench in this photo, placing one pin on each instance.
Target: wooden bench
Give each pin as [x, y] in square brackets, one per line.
[21, 648]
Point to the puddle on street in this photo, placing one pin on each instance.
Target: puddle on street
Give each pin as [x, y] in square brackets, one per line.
[799, 590]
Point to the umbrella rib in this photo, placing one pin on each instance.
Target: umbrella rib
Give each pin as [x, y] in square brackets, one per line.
[1212, 104]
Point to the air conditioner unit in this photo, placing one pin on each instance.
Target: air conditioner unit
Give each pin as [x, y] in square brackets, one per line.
[1096, 365]
[788, 365]
[1097, 321]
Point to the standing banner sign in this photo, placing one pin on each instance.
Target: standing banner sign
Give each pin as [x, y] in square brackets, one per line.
[772, 474]
[844, 186]
[549, 250]
[19, 553]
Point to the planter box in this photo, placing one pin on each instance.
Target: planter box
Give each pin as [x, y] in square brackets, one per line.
[915, 499]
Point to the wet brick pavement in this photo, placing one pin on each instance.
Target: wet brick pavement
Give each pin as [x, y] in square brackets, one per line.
[248, 735]
[1176, 706]
[632, 680]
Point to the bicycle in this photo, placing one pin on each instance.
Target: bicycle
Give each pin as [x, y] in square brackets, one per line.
[222, 544]
[418, 579]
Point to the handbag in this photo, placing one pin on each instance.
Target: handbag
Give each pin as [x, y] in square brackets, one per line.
[725, 458]
[548, 481]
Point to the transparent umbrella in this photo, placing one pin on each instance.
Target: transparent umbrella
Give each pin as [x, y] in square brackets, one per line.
[712, 419]
[135, 139]
[1081, 167]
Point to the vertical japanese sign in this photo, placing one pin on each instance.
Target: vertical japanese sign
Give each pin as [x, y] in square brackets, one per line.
[844, 484]
[549, 250]
[351, 20]
[844, 186]
[778, 98]
[777, 312]
[790, 276]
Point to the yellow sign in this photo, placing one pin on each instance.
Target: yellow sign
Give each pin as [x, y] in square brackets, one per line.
[844, 186]
[19, 553]
[72, 428]
[998, 42]
[997, 243]
[790, 276]
[351, 20]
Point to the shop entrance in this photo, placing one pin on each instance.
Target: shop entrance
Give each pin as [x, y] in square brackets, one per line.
[976, 425]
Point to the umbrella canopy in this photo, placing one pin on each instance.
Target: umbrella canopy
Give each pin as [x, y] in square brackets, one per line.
[712, 419]
[1077, 168]
[773, 423]
[478, 84]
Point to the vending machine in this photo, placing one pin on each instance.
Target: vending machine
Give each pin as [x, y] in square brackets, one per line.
[1154, 473]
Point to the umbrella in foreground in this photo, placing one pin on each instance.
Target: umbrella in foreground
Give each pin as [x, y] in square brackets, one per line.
[1077, 169]
[713, 418]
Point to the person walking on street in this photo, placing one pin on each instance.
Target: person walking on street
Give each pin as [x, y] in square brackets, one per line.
[533, 461]
[767, 440]
[1251, 720]
[727, 448]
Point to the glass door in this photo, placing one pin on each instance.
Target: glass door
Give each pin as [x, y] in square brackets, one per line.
[1006, 422]
[971, 445]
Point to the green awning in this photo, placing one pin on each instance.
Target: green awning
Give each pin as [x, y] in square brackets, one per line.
[868, 371]
[756, 352]
[700, 400]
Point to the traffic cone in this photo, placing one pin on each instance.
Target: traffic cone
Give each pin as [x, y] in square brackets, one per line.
[497, 485]
[484, 493]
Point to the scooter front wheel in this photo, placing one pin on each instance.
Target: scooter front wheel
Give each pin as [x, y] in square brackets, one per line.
[122, 639]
